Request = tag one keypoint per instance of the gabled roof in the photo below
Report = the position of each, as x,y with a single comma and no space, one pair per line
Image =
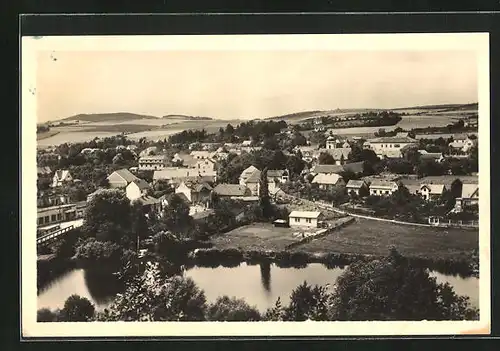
61,174
383,184
141,184
327,169
355,167
153,158
175,172
338,153
248,172
392,140
168,197
275,173
305,214
355,184
125,174
254,177
330,179
436,189
147,200
231,190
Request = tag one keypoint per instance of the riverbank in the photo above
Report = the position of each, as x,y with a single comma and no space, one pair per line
213,257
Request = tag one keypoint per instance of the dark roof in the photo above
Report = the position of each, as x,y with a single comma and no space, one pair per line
327,169
141,183
254,177
148,200
355,167
202,215
126,174
402,140
231,190
168,197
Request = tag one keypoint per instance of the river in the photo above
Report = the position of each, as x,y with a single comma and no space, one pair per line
259,285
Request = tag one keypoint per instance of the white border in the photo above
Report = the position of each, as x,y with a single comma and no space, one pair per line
478,42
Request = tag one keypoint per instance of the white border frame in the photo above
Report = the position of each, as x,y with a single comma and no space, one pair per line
478,42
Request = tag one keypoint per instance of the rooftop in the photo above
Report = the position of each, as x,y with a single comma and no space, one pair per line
305,214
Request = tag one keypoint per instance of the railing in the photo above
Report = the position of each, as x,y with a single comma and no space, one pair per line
53,235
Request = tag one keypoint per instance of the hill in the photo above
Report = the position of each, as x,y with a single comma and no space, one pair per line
188,118
438,107
105,117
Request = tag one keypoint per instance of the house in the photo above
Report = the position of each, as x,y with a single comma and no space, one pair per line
170,173
195,192
201,216
327,169
431,192
232,190
48,199
55,214
136,189
413,185
154,162
149,203
355,167
121,178
388,146
246,143
152,150
462,143
200,155
253,182
328,181
61,177
276,193
309,219
469,196
205,166
185,160
276,177
334,143
356,187
165,199
132,147
382,187
434,156
247,173
340,155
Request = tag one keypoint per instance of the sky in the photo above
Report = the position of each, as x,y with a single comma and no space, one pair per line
248,84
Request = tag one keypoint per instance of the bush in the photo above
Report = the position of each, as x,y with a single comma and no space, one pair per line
77,309
233,310
46,315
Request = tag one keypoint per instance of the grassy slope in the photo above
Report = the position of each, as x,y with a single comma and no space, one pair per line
111,117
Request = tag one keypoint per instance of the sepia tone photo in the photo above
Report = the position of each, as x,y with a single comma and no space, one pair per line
329,181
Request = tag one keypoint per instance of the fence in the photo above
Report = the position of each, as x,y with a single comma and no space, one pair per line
53,235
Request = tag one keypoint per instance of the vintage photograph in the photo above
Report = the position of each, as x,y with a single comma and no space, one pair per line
256,179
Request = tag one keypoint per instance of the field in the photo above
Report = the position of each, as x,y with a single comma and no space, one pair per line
364,237
374,237
256,236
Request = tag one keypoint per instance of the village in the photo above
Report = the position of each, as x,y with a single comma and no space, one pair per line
340,175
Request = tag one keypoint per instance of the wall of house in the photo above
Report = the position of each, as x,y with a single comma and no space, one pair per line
184,189
133,192
380,192
58,214
254,188
382,149
303,222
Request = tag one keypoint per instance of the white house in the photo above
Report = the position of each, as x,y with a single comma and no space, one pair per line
308,219
194,192
383,187
200,155
152,150
469,196
340,154
152,163
170,173
61,177
205,166
120,178
388,146
431,192
434,156
355,186
462,143
328,181
136,189
247,173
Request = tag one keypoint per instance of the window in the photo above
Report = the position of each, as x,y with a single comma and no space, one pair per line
47,219
40,221
297,219
308,220
53,218
387,191
59,217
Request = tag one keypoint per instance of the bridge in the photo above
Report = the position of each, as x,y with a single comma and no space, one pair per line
53,236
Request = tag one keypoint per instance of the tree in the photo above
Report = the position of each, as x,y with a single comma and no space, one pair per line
429,168
326,159
176,215
77,309
264,199
307,302
153,297
392,289
139,224
231,309
107,216
46,315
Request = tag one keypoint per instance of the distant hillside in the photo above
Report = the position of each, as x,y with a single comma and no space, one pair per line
436,107
105,117
189,118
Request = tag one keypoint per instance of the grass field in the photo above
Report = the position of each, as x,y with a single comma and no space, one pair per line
45,135
256,236
374,238
362,237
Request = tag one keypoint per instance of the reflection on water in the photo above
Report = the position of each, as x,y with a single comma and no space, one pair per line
260,285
